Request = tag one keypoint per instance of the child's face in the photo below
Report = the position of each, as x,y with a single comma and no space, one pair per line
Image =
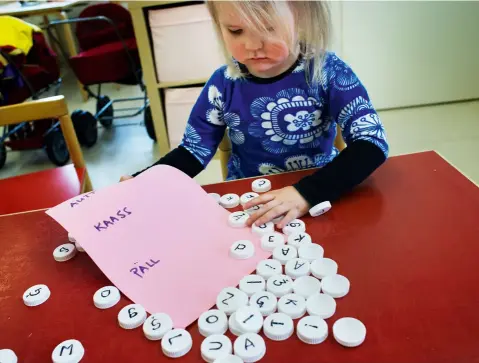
264,56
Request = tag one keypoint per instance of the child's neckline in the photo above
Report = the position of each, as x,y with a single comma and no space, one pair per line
255,79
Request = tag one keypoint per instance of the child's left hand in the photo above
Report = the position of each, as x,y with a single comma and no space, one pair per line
286,201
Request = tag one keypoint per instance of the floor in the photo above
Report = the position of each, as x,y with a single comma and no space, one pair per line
452,130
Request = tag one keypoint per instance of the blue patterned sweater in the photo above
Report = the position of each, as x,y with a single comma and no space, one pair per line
282,124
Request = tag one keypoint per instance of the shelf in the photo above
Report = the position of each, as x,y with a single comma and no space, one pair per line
193,82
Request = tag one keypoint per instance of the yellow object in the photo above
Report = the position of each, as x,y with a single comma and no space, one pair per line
16,33
51,107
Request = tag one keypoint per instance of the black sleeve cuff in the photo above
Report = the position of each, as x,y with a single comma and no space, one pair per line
353,165
181,159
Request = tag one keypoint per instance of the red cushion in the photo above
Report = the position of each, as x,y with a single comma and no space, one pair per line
95,33
40,190
106,63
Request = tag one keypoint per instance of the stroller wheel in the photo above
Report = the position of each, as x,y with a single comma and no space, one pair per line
56,147
85,127
3,155
150,128
100,103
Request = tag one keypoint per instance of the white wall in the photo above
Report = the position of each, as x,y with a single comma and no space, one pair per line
411,52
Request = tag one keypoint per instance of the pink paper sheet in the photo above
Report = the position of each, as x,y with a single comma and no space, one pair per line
165,222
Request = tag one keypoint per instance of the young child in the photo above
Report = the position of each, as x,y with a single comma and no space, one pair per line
281,96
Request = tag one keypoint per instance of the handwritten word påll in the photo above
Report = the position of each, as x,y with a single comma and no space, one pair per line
121,213
140,270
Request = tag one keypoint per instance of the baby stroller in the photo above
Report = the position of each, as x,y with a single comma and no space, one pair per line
108,54
29,75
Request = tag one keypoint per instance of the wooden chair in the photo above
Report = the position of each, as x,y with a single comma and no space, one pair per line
46,188
224,149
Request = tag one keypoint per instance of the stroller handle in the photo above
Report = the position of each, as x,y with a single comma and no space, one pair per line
94,18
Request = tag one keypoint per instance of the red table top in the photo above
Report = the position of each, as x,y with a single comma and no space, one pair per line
407,239
39,190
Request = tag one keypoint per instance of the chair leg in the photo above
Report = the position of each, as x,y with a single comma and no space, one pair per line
224,157
72,141
87,186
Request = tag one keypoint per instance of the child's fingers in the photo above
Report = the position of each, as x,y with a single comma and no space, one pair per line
277,211
292,214
260,212
262,199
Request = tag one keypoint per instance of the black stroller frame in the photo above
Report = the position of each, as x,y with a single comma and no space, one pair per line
84,122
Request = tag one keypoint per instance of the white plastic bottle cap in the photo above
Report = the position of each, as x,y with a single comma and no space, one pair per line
349,332
176,343
215,196
270,241
297,267
323,267
229,200
106,297
320,208
311,252
321,305
241,250
335,285
250,347
71,238
79,247
254,209
295,226
299,239
293,305
8,356
36,295
230,358
265,301
132,316
306,286
279,285
263,229
157,325
268,268
238,219
64,252
69,351
278,326
216,346
312,330
233,325
231,299
212,322
251,284
261,185
249,319
246,197
285,253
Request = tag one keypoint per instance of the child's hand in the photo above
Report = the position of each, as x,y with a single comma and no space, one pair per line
286,201
125,177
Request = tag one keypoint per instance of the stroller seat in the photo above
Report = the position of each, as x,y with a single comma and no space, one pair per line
39,67
106,63
108,53
103,58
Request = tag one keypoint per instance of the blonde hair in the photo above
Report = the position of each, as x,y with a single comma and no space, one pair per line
311,28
